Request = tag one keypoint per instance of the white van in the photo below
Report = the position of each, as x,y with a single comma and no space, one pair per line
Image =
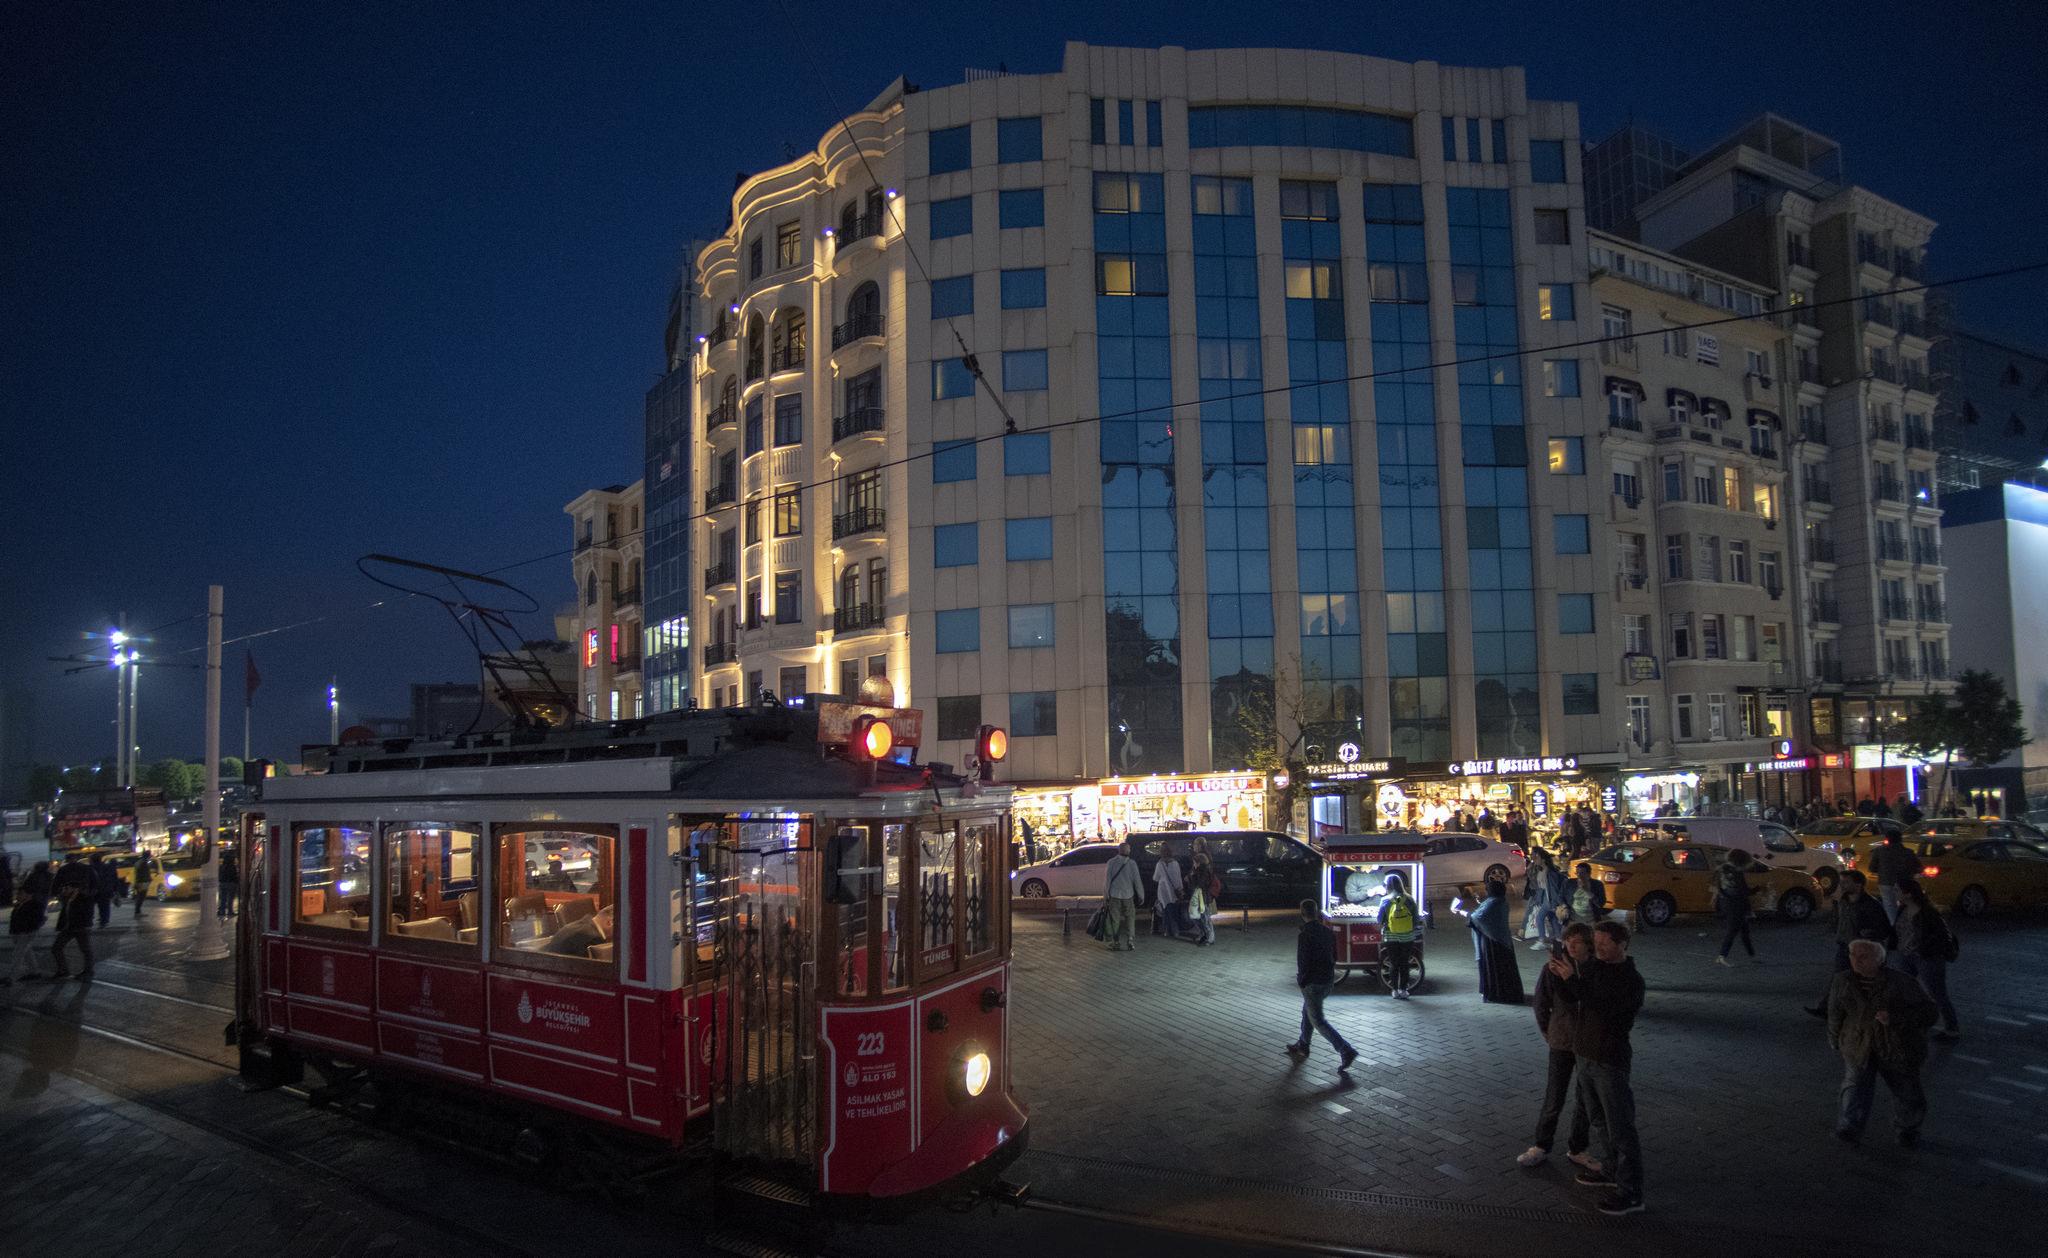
1767,841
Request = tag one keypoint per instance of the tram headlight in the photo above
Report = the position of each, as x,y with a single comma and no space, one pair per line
974,1073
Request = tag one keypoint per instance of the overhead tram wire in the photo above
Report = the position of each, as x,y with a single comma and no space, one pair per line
967,355
1079,421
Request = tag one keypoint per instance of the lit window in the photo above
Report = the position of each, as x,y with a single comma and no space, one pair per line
1568,456
1554,302
553,898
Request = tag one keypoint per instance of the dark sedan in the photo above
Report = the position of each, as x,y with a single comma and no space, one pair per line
1260,868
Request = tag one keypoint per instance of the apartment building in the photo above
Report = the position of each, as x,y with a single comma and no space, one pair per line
608,564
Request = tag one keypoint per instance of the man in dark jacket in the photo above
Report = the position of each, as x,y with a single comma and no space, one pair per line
1877,1021
1558,1023
1604,996
106,884
1315,969
1891,864
74,922
72,873
1857,916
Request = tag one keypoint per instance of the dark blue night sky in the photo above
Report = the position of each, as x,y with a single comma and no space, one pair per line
284,284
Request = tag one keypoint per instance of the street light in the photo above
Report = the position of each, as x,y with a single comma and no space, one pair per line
334,711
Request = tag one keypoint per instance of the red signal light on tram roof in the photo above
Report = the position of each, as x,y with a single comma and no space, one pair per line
873,739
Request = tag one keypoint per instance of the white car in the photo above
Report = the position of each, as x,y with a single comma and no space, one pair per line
1077,871
1451,859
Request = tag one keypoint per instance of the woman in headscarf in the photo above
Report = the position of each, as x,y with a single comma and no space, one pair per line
1500,982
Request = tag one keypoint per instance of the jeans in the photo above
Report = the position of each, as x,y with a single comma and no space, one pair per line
1204,927
1933,975
1606,1092
84,938
140,893
1738,928
1120,921
228,896
1398,956
1312,997
25,949
1888,895
105,904
1859,1088
1557,1084
1170,919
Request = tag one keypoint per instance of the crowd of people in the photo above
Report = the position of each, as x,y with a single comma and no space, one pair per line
86,890
1184,901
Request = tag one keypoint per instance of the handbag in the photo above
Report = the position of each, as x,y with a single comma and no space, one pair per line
1095,928
1198,903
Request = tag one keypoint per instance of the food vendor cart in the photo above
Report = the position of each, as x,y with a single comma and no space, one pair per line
1355,869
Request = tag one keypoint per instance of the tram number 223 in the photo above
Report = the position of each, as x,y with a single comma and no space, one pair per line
870,1044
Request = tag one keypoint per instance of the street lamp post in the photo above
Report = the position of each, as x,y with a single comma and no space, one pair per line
119,637
208,944
333,711
134,748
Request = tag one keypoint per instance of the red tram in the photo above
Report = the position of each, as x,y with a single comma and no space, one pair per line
763,931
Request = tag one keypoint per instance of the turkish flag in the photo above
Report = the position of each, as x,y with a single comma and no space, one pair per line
252,678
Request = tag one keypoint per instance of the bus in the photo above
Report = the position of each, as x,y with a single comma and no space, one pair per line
112,819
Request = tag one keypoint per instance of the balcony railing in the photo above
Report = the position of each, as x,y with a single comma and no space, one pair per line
1928,555
628,597
1934,670
852,229
720,416
859,326
1809,372
1894,609
1893,551
856,421
1916,380
1875,254
1906,264
1618,353
626,664
1815,432
1902,670
720,574
1911,324
583,543
722,332
1933,611
1820,550
1884,429
1827,611
1888,490
1884,369
857,618
1627,423
1630,498
858,520
721,494
1819,491
1918,437
1761,445
1879,312
1828,671
716,653
789,359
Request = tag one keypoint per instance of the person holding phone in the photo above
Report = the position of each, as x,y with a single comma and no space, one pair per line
1557,1022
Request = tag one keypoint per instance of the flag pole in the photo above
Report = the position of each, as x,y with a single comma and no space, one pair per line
208,944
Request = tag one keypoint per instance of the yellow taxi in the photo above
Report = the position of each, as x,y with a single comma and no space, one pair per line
1970,875
1838,834
1979,828
177,877
1661,878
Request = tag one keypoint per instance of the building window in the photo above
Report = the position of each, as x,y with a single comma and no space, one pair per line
953,296
956,546
789,419
1031,625
754,265
1500,140
1573,535
1020,139
951,149
1582,694
1024,371
533,921
953,461
1021,207
1635,633
789,244
1717,716
953,217
789,597
1027,454
1034,712
957,631
1299,126
1712,640
1681,635
1575,613
1546,161
1027,539
789,510
1560,377
793,682
1681,708
753,438
753,519
1554,303
1155,137
959,718
1126,126
1024,289
951,379
1639,719
1553,227
1568,456
1098,121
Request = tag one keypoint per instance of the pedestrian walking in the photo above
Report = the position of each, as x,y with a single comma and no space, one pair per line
1604,995
74,923
1586,898
1122,888
1857,916
230,882
1500,982
145,877
1890,863
1543,888
1877,1020
106,884
1926,946
1557,1022
1732,894
1400,928
6,878
25,919
1169,891
73,873
1515,831
1315,969
1205,891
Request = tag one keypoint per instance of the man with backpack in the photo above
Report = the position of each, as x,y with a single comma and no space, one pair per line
1400,927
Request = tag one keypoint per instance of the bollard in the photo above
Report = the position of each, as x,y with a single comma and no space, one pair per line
1244,919
1066,923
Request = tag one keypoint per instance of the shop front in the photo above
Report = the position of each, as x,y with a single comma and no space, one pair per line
1780,781
1427,796
1087,812
1343,793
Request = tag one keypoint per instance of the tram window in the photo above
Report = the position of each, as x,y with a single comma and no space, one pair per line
937,922
555,898
849,921
333,877
895,940
978,850
432,874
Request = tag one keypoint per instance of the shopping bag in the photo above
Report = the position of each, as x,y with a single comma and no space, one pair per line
1094,928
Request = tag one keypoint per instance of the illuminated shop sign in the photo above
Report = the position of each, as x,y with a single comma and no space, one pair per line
1514,764
590,649
1351,765
1214,784
1789,764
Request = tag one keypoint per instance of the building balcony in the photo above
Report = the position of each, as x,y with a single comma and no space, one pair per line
720,574
722,331
1919,381
724,415
1827,611
1888,490
1626,423
628,597
716,653
1630,498
859,618
1892,552
583,543
859,420
1918,437
790,359
1902,670
1907,265
1885,430
1871,252
859,328
1828,670
851,230
1934,670
1818,491
1880,313
722,494
1927,556
1619,353
1894,609
857,521
1815,432
1934,612
626,664
1911,324
1820,550
1884,369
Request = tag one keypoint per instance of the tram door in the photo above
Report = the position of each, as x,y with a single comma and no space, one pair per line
762,951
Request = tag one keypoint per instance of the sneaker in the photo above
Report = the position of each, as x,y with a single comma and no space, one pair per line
1538,946
1297,1050
1619,1204
1721,961
1350,1055
1534,1155
1584,1160
1593,1177
1401,993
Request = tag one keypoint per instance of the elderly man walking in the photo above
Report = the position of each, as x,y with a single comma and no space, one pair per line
1878,1020
1122,888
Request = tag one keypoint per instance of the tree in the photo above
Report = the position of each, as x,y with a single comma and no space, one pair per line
230,771
44,780
1979,722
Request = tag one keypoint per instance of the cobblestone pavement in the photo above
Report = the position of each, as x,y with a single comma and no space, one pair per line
1157,1081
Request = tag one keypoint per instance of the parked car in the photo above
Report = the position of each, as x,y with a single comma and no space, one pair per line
1076,871
1834,834
1661,878
1768,841
1970,876
178,877
1451,859
1980,828
1260,868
